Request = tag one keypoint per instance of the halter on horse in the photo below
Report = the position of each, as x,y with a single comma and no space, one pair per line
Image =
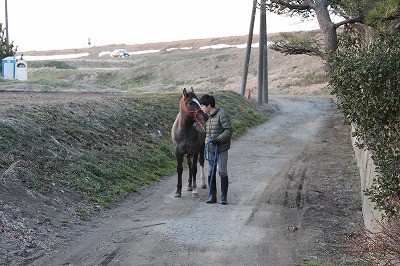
188,141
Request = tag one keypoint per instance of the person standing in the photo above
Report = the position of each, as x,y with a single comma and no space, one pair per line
219,130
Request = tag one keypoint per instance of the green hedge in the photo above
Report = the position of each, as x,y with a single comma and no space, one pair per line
367,83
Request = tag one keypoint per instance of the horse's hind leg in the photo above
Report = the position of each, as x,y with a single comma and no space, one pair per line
202,177
179,170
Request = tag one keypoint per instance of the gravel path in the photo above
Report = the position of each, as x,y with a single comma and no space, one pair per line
263,224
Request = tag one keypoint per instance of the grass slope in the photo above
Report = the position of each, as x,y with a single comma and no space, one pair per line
104,150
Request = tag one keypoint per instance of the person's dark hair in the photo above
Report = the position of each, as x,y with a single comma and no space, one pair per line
207,100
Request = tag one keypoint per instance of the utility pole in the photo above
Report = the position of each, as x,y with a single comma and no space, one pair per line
265,55
7,36
248,50
261,51
262,89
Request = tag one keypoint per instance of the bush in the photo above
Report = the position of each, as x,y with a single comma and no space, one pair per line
366,80
6,49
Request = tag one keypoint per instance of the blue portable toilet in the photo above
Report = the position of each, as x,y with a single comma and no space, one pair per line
8,67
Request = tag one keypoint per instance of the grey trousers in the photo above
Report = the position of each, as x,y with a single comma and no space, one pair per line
222,163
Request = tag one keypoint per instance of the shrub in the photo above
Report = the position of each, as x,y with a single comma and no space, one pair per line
366,80
378,248
6,49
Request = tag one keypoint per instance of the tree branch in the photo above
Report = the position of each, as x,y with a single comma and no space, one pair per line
359,19
289,48
305,6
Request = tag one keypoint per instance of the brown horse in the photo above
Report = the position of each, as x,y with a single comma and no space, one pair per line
188,141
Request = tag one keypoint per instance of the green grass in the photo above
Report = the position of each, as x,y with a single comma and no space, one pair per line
243,113
104,150
352,160
53,78
51,64
84,214
49,85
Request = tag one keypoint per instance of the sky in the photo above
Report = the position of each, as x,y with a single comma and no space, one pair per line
63,24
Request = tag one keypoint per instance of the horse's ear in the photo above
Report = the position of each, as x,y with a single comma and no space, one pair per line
184,92
191,89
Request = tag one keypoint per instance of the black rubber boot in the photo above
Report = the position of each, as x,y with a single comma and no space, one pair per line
224,190
213,196
212,199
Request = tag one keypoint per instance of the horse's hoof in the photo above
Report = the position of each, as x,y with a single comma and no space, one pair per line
178,195
203,186
189,188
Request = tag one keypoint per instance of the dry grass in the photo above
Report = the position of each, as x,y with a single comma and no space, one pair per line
207,70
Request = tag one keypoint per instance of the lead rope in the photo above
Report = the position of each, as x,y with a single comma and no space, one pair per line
213,163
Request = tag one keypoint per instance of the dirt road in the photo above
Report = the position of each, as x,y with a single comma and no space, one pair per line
270,219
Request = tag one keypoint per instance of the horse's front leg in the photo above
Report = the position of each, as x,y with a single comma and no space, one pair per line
189,162
193,170
179,170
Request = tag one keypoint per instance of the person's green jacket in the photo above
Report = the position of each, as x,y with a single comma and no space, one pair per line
219,126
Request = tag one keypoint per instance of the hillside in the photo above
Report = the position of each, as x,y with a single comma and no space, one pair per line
204,69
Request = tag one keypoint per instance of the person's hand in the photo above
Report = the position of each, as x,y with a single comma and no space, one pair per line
215,141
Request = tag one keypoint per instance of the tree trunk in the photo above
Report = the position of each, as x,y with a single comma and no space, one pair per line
328,29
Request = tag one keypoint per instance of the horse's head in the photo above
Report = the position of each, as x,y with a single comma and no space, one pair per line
190,105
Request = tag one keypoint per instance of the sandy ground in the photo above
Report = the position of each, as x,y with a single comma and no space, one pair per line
286,203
